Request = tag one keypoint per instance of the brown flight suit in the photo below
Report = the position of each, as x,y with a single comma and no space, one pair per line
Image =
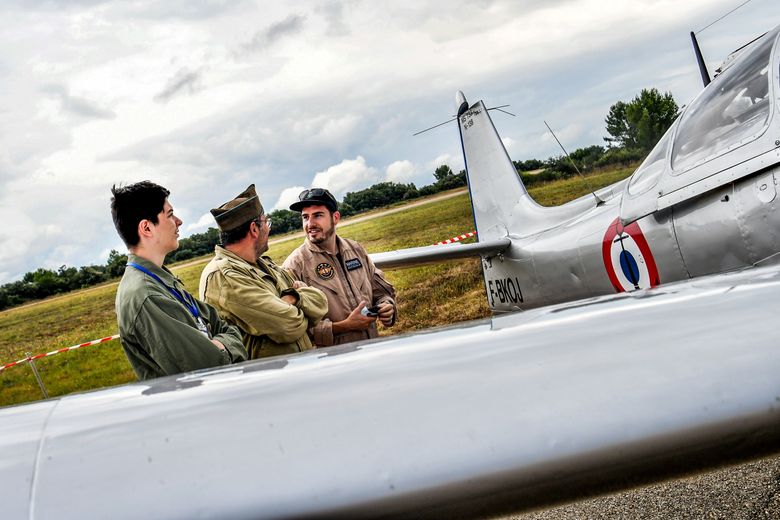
345,282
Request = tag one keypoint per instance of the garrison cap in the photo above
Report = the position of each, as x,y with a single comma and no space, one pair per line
315,197
245,207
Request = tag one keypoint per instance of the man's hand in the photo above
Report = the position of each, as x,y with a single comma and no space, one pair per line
297,284
218,343
386,311
289,298
355,321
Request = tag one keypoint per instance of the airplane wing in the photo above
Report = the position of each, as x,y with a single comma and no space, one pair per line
437,253
482,418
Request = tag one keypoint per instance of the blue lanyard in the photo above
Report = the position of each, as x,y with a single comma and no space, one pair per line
187,300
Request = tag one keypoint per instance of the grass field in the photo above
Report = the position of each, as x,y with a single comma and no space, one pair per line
428,296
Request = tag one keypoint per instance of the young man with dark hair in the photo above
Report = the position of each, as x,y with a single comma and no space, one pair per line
358,293
163,329
273,311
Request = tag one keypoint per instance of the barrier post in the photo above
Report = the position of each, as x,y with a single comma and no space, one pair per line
37,376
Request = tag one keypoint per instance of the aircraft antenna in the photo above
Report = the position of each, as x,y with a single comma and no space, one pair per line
455,117
599,200
705,76
504,111
434,126
724,16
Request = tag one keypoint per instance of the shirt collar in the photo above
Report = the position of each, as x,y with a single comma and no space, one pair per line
227,253
317,249
261,262
163,272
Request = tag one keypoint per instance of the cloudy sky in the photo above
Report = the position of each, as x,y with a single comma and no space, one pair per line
208,96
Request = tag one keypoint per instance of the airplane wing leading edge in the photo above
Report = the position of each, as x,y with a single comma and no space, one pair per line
487,417
431,254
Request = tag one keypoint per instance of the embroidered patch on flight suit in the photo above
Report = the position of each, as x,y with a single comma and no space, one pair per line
325,271
353,263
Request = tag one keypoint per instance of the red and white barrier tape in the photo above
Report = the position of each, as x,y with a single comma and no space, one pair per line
456,239
74,347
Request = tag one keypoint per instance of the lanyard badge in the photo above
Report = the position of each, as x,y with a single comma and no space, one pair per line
202,327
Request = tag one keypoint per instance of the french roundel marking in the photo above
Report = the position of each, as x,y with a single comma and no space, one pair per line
627,257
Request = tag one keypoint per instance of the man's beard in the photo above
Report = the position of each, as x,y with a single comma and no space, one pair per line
260,248
324,235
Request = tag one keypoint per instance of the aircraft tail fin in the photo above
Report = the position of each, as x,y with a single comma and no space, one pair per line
502,206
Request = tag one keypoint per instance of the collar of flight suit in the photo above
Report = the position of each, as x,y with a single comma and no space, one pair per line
342,246
165,275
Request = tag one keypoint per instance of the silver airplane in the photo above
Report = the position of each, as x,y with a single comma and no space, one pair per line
702,202
509,413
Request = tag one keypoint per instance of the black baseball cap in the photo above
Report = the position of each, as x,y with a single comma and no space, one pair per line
315,197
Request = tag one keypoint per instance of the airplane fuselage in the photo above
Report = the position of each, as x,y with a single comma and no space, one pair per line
735,226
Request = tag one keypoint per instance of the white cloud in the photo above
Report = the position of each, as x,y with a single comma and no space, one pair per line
401,171
324,81
567,135
444,158
287,197
203,223
509,144
455,162
348,175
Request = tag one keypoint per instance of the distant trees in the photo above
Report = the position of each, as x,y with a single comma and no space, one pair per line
588,157
379,195
640,123
560,166
634,127
284,221
529,165
115,266
197,244
442,172
43,283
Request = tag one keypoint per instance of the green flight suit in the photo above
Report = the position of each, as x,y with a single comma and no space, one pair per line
249,296
160,335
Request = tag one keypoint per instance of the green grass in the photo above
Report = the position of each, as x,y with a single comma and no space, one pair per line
427,295
559,192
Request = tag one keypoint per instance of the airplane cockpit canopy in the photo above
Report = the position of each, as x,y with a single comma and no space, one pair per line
724,118
646,176
720,137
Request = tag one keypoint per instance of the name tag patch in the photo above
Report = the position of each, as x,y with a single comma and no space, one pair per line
353,263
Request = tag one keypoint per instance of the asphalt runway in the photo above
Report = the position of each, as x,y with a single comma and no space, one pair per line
748,491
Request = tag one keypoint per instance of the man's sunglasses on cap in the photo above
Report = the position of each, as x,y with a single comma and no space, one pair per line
315,196
314,192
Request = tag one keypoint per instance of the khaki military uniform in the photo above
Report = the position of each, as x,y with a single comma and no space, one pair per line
160,335
249,296
346,278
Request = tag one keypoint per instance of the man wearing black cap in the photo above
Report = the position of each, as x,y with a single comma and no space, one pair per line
358,293
273,311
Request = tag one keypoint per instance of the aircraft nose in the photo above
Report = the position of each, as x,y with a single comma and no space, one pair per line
461,105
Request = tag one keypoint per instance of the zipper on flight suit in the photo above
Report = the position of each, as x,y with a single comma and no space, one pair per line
355,301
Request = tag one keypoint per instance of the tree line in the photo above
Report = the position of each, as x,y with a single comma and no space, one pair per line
633,128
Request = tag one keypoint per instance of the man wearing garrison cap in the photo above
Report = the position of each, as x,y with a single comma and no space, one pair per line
273,310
